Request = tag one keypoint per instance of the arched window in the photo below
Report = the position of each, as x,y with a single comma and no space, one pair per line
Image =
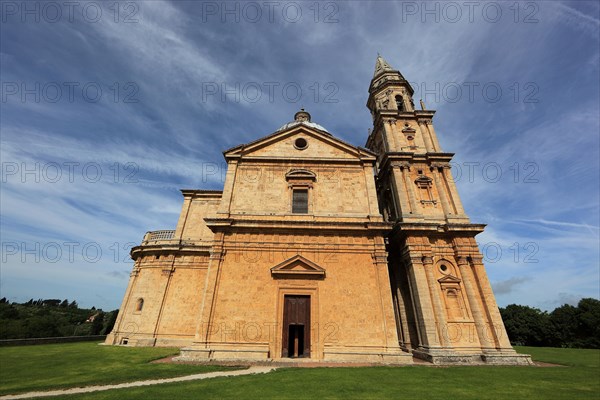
400,103
139,305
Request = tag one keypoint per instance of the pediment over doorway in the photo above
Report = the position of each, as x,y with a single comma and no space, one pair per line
297,266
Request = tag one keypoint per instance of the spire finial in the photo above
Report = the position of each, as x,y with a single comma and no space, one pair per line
381,65
422,104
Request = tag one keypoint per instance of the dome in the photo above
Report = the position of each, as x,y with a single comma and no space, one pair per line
302,118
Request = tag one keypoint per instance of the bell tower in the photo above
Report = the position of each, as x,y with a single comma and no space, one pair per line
409,151
445,309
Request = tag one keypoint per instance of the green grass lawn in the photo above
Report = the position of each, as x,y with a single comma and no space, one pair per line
52,366
578,379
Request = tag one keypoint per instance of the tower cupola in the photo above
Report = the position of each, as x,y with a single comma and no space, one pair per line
389,90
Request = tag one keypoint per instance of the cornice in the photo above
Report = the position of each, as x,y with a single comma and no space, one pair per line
228,224
391,159
424,114
213,194
382,115
432,227
390,82
364,158
179,247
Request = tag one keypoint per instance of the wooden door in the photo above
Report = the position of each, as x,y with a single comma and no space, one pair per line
296,326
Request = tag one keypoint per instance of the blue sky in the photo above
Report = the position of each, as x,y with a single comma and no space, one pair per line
107,111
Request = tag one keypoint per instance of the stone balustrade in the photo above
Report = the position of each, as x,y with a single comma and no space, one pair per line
154,237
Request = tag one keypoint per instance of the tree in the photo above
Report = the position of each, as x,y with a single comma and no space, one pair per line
42,326
8,312
97,324
564,321
588,329
527,326
111,322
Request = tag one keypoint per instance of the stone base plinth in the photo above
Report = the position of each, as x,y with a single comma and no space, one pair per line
447,357
201,353
450,357
145,340
507,359
367,355
110,339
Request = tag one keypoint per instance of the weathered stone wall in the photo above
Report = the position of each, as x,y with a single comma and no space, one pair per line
171,287
348,314
196,206
182,302
339,191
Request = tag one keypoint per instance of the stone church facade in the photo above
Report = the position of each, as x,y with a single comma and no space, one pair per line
320,250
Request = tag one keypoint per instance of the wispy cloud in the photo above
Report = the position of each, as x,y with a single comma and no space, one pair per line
507,286
573,18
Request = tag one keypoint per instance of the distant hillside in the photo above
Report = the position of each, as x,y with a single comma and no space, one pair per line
51,318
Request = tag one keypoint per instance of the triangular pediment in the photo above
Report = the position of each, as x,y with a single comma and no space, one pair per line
449,279
297,266
315,144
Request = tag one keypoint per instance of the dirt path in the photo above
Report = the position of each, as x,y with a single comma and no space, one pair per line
252,370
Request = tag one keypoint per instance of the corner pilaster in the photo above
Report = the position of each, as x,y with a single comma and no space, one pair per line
487,343
428,333
225,207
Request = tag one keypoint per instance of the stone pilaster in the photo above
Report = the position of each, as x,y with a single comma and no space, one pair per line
428,334
167,273
371,192
187,202
385,138
387,310
432,135
210,291
455,198
405,339
499,331
439,185
225,207
429,148
395,144
111,338
434,291
473,295
405,168
399,182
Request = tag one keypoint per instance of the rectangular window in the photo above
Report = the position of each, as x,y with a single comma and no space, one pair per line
300,201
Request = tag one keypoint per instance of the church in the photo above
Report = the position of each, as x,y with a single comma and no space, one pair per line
320,250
